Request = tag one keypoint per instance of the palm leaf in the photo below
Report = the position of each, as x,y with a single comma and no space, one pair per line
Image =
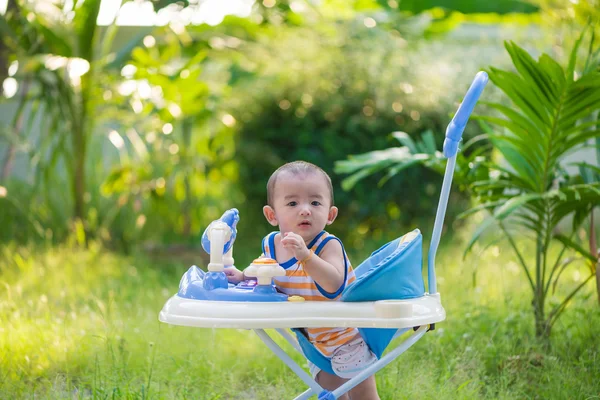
565,240
53,43
370,159
541,83
561,268
481,229
590,173
516,122
427,143
405,139
395,169
553,69
573,56
578,198
518,91
518,161
394,159
85,25
481,207
515,204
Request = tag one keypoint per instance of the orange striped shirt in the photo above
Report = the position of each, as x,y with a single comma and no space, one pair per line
297,282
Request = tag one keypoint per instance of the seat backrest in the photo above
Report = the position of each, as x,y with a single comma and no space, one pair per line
391,272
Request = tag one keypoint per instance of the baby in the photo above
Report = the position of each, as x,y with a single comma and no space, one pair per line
300,202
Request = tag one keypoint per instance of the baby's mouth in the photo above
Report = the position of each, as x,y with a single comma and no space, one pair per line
304,223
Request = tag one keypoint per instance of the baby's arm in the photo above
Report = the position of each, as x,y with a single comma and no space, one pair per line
327,269
235,276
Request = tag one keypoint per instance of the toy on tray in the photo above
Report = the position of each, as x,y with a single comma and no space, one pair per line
217,240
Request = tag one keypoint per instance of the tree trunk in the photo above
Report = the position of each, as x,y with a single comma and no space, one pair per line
542,328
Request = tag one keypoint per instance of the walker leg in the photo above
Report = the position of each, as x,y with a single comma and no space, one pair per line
400,332
306,395
286,335
385,360
315,388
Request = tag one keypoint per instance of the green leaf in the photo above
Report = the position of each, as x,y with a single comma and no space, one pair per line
484,226
573,56
584,107
85,28
576,140
405,139
575,246
6,30
370,159
518,91
532,154
352,180
514,156
393,171
515,204
598,144
554,69
468,6
428,140
55,44
520,122
592,171
579,197
561,268
531,71
118,59
481,207
473,141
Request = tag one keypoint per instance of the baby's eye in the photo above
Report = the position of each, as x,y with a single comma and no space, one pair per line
292,204
316,203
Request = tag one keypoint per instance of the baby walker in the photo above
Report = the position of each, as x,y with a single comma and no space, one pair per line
387,299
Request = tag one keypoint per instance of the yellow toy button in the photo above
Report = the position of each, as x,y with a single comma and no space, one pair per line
295,298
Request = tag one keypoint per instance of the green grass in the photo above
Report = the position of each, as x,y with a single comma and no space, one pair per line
83,324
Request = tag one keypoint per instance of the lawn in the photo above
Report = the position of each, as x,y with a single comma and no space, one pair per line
83,324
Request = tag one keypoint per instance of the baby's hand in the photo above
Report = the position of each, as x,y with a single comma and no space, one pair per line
234,275
296,244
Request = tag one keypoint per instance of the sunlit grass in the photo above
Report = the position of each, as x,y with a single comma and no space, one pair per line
83,324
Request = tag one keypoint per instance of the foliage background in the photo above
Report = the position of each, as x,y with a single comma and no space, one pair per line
279,86
189,120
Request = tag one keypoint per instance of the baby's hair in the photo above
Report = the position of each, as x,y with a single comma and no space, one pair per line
297,168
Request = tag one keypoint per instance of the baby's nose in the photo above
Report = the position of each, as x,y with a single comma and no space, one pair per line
305,210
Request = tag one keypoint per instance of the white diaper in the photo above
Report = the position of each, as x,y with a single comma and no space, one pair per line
349,359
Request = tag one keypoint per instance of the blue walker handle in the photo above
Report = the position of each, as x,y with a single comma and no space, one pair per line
457,125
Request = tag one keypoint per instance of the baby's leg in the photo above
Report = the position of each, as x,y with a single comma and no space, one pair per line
366,390
332,382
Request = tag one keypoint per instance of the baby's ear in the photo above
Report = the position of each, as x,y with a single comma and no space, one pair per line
333,213
270,215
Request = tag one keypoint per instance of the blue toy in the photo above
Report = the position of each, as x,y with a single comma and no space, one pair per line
387,299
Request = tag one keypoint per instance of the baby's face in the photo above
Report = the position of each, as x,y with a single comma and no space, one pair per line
302,204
